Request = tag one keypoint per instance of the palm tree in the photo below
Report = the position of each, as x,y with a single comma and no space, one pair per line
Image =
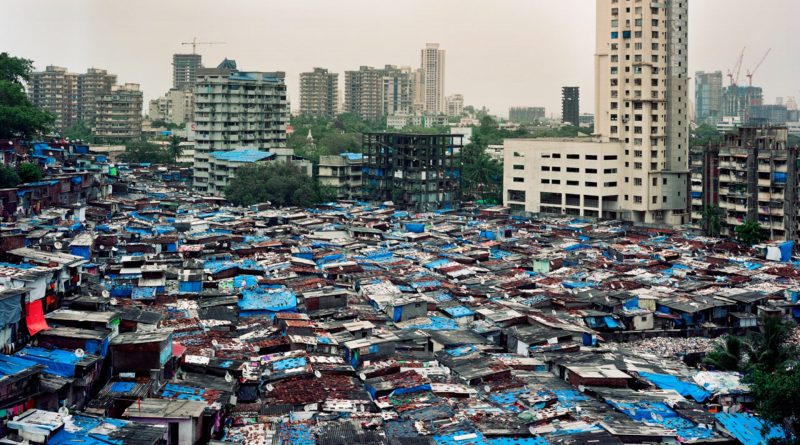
712,220
175,148
726,357
482,174
770,348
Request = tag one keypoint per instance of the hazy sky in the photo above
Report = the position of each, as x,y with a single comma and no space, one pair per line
500,53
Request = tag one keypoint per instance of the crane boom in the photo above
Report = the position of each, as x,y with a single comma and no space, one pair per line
733,73
194,44
750,74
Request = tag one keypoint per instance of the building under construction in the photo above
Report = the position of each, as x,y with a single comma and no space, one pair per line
758,180
704,193
417,171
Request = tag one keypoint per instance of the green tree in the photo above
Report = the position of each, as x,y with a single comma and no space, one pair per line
751,233
777,396
712,220
482,175
727,357
704,135
78,131
770,348
18,117
281,184
145,152
8,177
28,172
175,150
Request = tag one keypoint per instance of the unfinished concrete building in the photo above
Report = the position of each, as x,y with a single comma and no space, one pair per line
758,180
704,192
417,171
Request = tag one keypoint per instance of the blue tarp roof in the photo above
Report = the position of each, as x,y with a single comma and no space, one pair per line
11,365
241,155
665,381
57,361
352,156
749,430
273,300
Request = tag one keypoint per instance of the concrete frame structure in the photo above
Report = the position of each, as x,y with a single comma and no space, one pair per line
418,171
184,70
236,109
526,115
319,93
571,105
704,191
343,173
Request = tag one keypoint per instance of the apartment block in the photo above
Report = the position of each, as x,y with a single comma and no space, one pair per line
236,110
223,166
184,70
91,85
119,114
758,180
416,171
641,135
176,107
570,105
55,90
319,93
432,64
342,173
455,105
372,93
704,192
708,97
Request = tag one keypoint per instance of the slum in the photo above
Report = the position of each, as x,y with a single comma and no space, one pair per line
142,314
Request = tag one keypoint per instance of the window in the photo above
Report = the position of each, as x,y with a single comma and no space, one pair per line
519,179
637,22
545,181
664,199
610,184
637,34
654,34
556,155
665,181
518,155
573,156
519,167
615,23
609,171
573,183
654,46
591,157
614,34
637,165
573,170
626,197
556,169
637,181
637,153
655,199
610,157
638,45
613,128
591,171
590,184
614,58
556,182
637,199
516,195
654,22
545,168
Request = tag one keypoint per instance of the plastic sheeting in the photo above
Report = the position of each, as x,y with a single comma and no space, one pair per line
35,318
10,311
664,381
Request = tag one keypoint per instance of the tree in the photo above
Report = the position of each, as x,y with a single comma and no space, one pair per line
777,397
18,117
29,172
78,131
175,150
145,152
281,184
770,348
482,174
726,357
8,177
712,220
704,135
750,233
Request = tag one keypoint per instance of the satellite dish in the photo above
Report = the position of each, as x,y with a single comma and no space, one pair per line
269,387
487,388
214,343
106,293
228,377
80,353
317,374
362,376
101,247
63,412
113,302
58,245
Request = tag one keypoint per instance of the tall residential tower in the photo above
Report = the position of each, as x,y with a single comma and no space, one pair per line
319,93
184,70
570,105
433,69
708,97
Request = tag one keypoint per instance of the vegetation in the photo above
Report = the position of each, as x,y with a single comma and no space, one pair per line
160,123
769,361
712,220
8,177
704,135
751,233
145,152
330,136
175,150
28,172
79,131
482,175
18,117
281,184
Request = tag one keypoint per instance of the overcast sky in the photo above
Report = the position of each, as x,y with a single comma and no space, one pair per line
500,53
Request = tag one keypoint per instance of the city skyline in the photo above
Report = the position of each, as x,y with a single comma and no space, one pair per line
509,63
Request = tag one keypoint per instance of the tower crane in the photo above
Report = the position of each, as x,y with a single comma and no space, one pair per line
733,76
194,44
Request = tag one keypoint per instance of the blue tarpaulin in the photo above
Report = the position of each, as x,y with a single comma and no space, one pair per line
786,251
749,430
57,361
664,381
